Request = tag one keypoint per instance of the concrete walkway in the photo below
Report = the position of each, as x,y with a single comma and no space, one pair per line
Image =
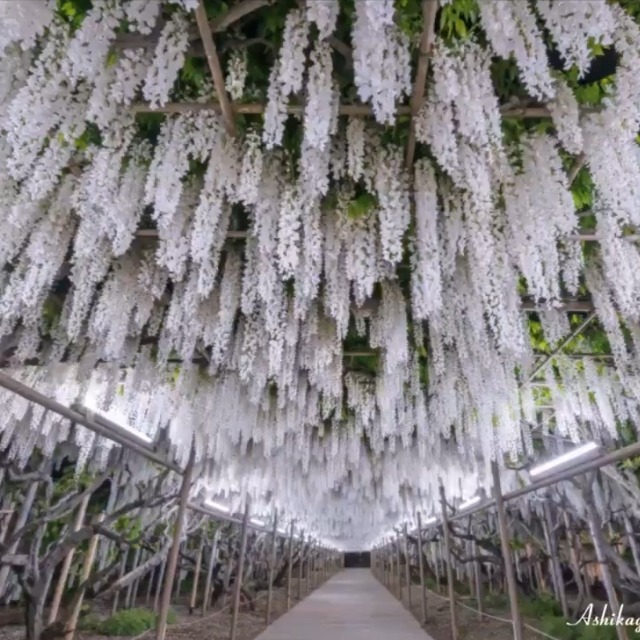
352,605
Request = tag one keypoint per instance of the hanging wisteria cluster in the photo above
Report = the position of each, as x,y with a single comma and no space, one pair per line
212,281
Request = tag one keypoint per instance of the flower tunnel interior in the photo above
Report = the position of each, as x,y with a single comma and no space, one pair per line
295,286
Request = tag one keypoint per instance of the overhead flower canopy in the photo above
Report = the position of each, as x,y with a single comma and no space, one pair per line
350,249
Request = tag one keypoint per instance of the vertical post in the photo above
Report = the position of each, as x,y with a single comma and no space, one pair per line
573,554
122,569
423,588
172,560
556,568
182,550
23,515
206,596
392,574
196,577
437,552
447,550
238,584
631,539
596,534
398,568
129,598
150,581
307,569
159,583
324,566
5,519
407,565
70,627
506,553
478,576
300,568
272,568
68,559
469,569
136,584
289,567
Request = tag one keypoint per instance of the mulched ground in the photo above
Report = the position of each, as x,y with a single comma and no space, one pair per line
215,625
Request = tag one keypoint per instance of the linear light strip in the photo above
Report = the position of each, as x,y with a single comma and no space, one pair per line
578,452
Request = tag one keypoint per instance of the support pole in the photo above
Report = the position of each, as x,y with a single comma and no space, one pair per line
206,596
407,566
552,544
470,571
172,560
423,587
150,581
392,573
437,554
398,568
447,549
121,571
68,559
477,565
631,539
159,583
595,525
506,553
239,572
300,568
196,578
289,567
307,569
70,627
272,568
137,582
129,598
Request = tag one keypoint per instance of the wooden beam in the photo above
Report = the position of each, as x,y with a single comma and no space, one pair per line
423,586
576,332
172,560
215,68
429,11
221,24
575,169
398,568
506,553
407,565
206,596
352,110
289,567
239,234
300,569
72,621
239,571
66,565
237,12
196,577
272,567
447,550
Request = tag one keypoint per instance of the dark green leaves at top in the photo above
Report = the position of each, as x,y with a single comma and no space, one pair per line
458,20
215,8
73,12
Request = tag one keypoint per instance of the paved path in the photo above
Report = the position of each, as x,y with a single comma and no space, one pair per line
352,605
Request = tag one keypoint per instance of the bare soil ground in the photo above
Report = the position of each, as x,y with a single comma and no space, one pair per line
215,625
470,626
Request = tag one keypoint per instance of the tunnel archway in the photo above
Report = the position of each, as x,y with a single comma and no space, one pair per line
357,560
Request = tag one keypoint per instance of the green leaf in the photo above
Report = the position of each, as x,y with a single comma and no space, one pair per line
68,9
361,206
112,59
